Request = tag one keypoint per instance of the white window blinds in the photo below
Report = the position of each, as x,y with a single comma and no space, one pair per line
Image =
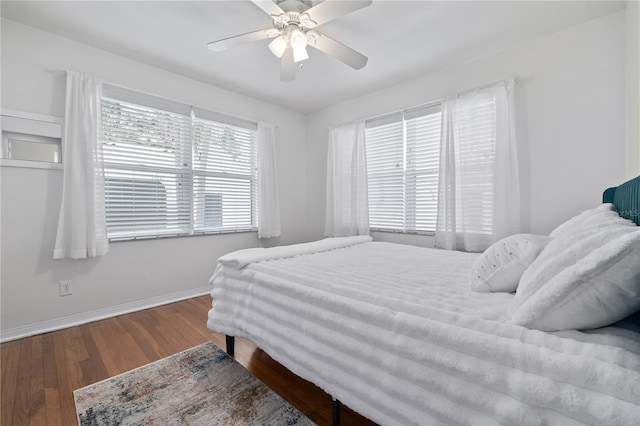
385,174
403,153
147,164
224,176
423,157
170,172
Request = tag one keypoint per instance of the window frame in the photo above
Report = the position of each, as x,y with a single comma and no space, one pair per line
185,172
409,198
30,128
252,177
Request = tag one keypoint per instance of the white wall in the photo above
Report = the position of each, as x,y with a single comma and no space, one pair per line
632,29
32,81
570,101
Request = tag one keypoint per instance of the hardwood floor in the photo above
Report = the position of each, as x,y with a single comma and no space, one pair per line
40,373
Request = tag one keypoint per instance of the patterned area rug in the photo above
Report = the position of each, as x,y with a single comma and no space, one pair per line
200,386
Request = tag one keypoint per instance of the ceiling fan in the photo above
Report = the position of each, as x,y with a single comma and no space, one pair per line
294,23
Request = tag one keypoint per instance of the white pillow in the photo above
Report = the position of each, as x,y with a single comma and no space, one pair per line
500,267
581,283
560,253
578,220
604,218
569,247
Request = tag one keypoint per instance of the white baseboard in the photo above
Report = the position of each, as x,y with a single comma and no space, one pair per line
99,314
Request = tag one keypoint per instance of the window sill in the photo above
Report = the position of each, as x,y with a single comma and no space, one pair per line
393,231
195,234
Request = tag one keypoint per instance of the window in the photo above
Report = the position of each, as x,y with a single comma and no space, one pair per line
403,164
224,176
175,170
403,153
30,140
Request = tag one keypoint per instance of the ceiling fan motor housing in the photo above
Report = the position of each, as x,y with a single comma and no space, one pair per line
286,23
303,21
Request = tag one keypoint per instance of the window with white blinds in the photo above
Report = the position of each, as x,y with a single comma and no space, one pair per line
224,176
170,172
386,174
403,153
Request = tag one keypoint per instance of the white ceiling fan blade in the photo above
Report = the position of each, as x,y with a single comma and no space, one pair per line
225,43
268,7
339,51
288,67
329,10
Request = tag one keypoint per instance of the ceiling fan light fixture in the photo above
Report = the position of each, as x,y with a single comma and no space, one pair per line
300,54
278,46
298,39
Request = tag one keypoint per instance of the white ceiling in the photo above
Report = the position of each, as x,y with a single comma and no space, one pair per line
403,39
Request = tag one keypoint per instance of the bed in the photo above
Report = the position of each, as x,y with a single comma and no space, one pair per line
394,332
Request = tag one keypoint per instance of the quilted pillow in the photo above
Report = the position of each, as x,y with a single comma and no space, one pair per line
500,267
581,281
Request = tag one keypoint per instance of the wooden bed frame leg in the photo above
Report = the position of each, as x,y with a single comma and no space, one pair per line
336,412
231,340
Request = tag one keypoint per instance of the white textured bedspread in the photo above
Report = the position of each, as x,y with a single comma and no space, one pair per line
394,333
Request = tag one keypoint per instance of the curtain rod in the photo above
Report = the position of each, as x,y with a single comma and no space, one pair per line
65,70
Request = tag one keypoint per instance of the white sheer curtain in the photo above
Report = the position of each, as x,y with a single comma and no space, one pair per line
479,195
347,200
82,229
268,199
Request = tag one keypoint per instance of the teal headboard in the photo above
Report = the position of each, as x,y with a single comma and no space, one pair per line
625,199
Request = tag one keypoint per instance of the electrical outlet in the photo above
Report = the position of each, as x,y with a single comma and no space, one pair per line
66,288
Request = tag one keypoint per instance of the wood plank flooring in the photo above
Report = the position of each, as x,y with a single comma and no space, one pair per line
40,373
